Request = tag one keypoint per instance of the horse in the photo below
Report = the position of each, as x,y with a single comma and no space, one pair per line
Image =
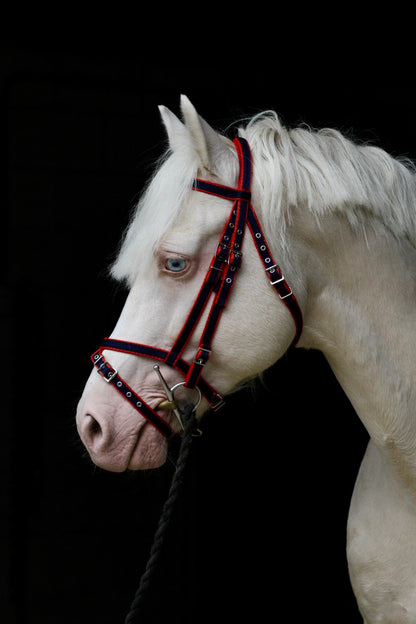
329,264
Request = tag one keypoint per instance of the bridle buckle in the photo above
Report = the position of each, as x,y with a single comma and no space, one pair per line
275,268
111,372
111,376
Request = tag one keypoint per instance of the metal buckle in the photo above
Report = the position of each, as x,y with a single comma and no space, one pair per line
111,376
281,279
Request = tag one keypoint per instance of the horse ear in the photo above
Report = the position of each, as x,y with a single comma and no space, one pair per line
208,144
176,131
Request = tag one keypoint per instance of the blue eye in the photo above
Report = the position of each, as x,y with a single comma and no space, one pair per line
176,265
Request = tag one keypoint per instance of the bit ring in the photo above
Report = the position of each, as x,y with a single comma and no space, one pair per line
182,383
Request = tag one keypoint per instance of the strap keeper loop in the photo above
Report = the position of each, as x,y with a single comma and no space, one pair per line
235,258
202,358
222,252
287,295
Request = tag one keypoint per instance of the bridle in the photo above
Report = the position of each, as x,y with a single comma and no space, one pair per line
219,281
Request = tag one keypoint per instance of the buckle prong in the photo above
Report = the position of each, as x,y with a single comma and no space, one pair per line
111,376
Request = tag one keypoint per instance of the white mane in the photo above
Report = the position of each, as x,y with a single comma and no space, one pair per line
321,171
325,171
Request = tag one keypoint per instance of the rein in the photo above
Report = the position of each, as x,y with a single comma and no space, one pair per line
218,281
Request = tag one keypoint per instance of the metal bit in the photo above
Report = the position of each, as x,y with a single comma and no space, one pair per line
169,394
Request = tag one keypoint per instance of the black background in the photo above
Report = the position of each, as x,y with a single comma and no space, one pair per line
260,530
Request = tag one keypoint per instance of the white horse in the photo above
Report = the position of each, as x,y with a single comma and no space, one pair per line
340,220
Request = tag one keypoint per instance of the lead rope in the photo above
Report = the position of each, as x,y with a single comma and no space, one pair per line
188,416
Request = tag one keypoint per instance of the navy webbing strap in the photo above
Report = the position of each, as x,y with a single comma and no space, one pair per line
277,279
226,192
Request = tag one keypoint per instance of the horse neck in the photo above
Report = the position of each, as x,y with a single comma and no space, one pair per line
361,314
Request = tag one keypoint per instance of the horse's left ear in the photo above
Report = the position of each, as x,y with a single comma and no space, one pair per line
208,144
176,131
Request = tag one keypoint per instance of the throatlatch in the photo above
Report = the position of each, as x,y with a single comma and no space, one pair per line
218,282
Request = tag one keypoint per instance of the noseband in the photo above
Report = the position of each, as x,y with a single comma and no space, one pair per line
218,281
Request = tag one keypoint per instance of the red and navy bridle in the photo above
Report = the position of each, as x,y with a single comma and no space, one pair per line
218,281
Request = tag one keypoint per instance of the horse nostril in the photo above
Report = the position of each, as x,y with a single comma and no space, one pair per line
93,429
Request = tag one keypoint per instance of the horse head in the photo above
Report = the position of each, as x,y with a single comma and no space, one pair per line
176,241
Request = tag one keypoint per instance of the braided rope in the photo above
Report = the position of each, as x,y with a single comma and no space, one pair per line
159,538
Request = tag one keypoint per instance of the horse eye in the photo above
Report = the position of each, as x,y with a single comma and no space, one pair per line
176,265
